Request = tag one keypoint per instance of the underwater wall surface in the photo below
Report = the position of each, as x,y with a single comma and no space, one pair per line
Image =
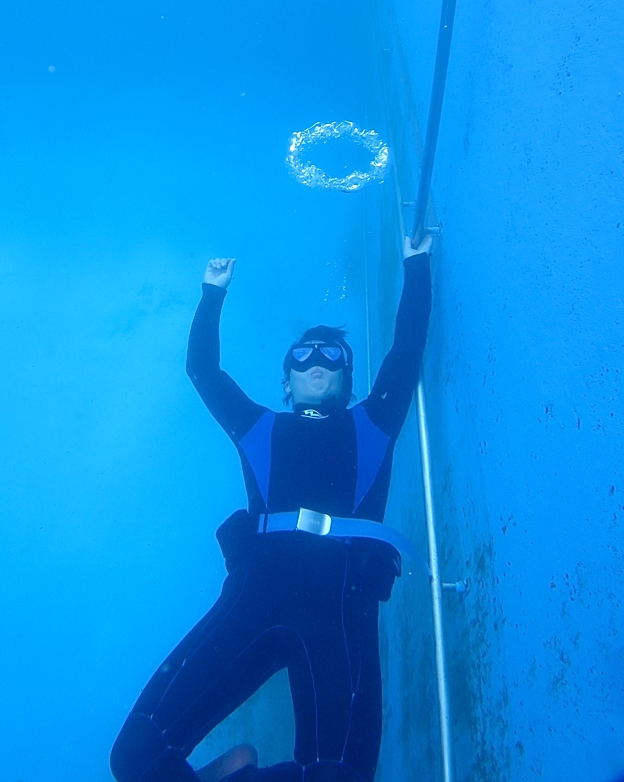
523,375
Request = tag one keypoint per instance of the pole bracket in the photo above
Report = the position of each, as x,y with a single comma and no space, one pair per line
459,587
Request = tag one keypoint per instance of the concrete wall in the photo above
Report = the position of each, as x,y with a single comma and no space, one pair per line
523,377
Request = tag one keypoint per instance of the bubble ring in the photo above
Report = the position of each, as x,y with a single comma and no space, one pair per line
312,176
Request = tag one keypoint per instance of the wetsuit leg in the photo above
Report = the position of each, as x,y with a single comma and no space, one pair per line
338,698
225,658
334,671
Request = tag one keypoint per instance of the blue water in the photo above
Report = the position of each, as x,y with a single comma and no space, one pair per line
140,139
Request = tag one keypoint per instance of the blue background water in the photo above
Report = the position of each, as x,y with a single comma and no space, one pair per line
158,142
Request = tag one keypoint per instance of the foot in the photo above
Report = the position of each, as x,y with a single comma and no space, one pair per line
228,763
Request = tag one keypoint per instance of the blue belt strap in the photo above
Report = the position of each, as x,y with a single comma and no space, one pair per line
338,527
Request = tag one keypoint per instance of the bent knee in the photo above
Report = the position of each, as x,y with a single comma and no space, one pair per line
141,754
138,746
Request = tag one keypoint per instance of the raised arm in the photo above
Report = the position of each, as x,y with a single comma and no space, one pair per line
231,407
390,397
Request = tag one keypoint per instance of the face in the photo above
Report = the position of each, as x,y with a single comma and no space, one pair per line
315,385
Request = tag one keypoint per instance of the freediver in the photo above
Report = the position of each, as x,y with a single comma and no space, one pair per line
293,598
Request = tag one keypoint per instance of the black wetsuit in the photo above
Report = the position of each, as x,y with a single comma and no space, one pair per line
291,599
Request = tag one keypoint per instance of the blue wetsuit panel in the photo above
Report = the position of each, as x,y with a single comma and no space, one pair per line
256,445
372,446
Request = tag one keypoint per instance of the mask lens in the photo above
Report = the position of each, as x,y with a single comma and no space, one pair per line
300,354
332,353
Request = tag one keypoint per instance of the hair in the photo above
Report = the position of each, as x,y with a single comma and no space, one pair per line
325,334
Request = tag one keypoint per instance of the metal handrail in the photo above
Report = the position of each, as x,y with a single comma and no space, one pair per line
445,35
436,591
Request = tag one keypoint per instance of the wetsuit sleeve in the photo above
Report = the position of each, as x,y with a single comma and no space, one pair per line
392,392
230,406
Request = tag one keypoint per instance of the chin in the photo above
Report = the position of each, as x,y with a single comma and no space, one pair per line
319,396
319,389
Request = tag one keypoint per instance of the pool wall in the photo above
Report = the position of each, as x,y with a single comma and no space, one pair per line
522,380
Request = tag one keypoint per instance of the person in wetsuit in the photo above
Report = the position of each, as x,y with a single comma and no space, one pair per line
292,598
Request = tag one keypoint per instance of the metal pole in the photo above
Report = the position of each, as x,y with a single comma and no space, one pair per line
436,590
433,125
440,71
436,580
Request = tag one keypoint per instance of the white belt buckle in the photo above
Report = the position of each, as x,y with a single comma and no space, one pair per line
313,521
